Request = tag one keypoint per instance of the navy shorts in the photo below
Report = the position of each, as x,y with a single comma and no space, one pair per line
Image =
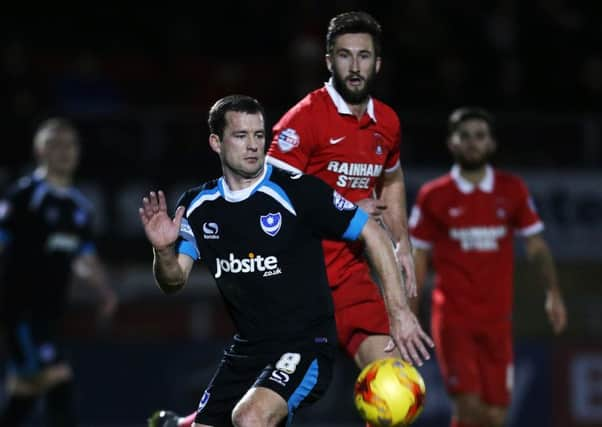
31,348
299,371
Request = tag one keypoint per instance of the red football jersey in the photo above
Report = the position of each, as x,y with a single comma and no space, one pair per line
470,231
320,136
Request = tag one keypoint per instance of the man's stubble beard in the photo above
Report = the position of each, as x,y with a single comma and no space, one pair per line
351,97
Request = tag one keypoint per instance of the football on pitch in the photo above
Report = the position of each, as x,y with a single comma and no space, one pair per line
389,392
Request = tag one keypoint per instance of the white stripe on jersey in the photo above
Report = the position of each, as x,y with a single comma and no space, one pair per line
272,193
531,230
282,165
202,199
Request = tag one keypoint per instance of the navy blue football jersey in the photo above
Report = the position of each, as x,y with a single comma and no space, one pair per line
263,246
42,228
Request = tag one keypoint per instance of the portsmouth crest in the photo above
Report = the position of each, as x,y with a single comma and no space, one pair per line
271,223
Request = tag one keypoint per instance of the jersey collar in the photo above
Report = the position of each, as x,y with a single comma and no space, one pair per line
240,195
342,106
466,187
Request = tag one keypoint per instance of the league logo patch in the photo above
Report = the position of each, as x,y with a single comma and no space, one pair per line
341,203
288,139
271,223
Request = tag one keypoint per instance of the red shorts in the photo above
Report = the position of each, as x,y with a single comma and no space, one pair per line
476,359
359,311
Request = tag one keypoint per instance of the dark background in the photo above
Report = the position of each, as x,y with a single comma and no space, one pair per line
138,80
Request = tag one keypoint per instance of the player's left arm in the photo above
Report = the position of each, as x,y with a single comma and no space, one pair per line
406,332
88,268
539,254
393,194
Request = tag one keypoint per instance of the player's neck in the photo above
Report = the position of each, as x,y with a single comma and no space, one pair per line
358,110
238,182
474,176
53,178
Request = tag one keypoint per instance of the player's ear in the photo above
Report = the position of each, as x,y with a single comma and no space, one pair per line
215,143
328,62
378,64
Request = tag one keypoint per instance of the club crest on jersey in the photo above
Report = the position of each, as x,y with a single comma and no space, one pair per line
288,139
271,223
378,144
340,202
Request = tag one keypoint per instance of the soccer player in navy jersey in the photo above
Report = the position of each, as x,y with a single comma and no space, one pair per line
46,239
259,229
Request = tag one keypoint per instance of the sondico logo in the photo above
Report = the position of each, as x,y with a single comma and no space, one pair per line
268,265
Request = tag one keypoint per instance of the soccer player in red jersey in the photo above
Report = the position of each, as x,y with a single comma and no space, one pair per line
349,139
467,219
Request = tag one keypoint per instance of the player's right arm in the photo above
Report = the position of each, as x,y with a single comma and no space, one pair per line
170,270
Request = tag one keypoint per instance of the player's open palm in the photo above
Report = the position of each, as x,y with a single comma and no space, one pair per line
409,337
161,230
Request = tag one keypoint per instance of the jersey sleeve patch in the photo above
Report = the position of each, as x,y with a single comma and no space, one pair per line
187,243
356,225
288,139
341,203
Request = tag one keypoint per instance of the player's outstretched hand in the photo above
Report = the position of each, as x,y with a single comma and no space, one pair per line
407,335
556,310
160,229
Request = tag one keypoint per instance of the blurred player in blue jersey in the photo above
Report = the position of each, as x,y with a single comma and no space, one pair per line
45,240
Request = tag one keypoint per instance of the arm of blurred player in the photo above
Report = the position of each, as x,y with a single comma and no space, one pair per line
539,254
421,264
393,195
171,271
90,269
406,332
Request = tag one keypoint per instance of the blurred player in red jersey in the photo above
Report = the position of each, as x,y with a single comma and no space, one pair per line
350,140
467,219
344,136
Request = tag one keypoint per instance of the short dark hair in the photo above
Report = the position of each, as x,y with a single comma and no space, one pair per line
462,114
53,123
353,23
239,103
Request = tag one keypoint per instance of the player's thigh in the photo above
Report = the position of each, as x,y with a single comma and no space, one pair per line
360,312
231,380
300,376
373,348
457,354
260,406
496,365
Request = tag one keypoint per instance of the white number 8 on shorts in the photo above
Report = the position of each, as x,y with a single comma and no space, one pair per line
288,362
